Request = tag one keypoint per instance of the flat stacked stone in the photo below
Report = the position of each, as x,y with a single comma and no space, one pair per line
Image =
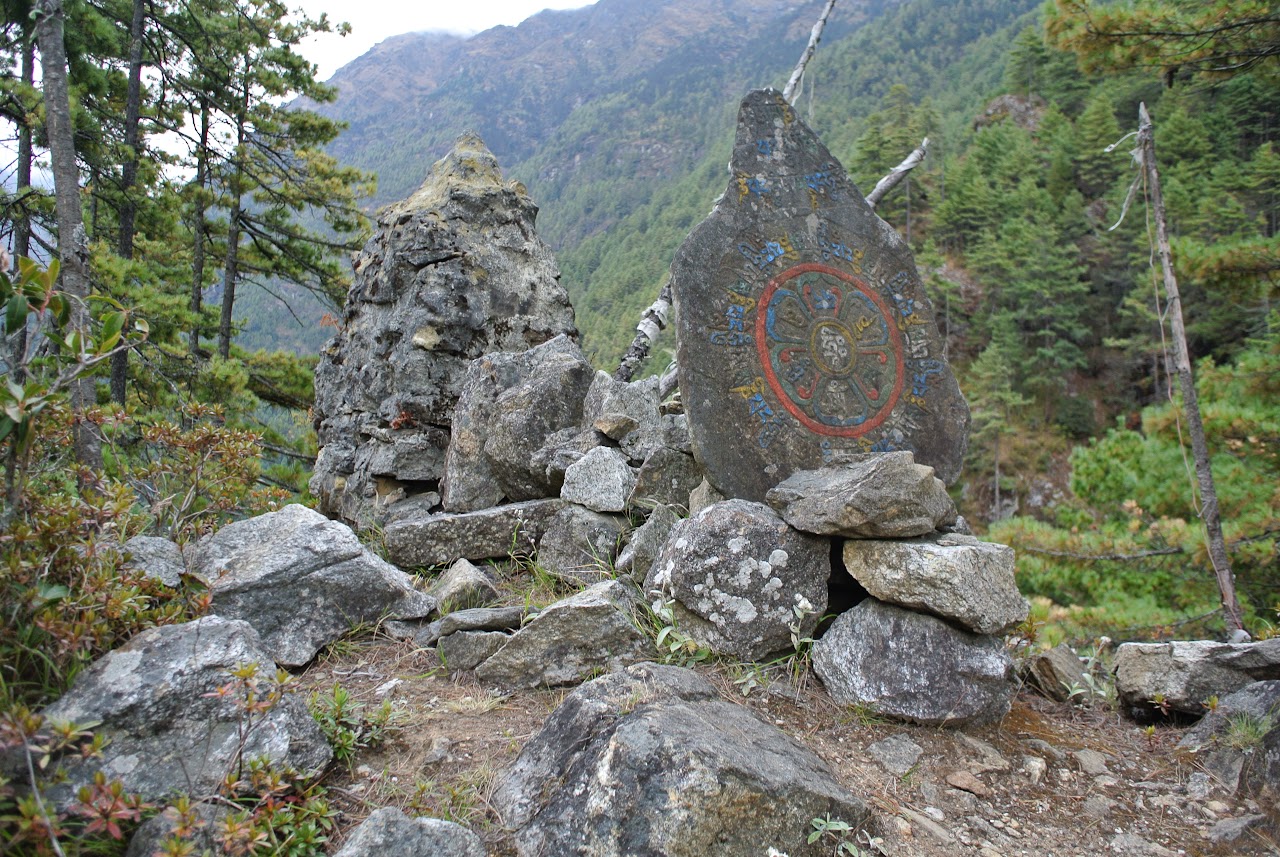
804,334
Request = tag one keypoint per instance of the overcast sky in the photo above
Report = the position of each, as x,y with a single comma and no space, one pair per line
375,20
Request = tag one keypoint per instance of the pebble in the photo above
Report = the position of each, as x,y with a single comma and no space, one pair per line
1035,768
966,781
935,813
1218,807
1199,785
1091,762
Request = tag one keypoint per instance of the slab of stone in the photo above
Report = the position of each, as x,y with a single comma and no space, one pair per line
804,335
651,761
167,729
897,754
703,496
1056,673
736,574
435,539
913,667
466,650
601,480
484,619
302,581
463,586
157,558
879,496
568,641
618,408
452,273
511,404
580,545
389,831
1186,673
952,576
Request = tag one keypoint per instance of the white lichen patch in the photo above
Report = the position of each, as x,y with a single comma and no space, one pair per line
738,544
122,671
778,559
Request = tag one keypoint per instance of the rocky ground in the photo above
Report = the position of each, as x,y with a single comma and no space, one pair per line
1050,779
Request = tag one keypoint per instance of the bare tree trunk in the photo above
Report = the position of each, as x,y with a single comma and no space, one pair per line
1182,365
73,244
200,226
651,324
230,273
814,37
898,173
129,176
22,182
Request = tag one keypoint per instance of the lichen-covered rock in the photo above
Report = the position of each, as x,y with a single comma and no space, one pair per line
877,496
737,573
952,576
302,581
511,404
913,667
463,586
155,700
157,558
568,641
466,650
651,761
666,478
646,543
601,480
452,273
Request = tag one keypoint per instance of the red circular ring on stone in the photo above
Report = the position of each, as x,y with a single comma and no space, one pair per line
830,350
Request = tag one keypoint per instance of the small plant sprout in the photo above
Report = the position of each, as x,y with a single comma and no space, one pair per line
1246,731
836,833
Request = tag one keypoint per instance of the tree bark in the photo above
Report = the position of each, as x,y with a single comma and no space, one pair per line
1186,381
73,244
129,176
230,273
653,322
22,185
898,173
199,227
815,36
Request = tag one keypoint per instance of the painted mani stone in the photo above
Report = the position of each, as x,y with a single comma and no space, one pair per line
804,337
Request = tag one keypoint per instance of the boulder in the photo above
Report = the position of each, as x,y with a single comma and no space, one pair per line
622,408
804,336
157,558
886,496
666,478
601,480
1183,674
201,824
737,574
452,273
651,761
167,727
466,650
952,576
389,831
562,449
511,403
580,545
570,640
434,539
913,667
463,586
302,581
646,543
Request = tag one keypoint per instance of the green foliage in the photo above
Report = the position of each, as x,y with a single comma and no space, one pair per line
347,724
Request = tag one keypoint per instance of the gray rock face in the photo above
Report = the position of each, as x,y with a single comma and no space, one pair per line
897,754
601,480
157,558
885,496
580,545
511,404
389,831
1185,673
463,586
148,840
302,580
651,761
804,335
427,539
666,478
736,572
591,630
952,576
452,273
166,730
646,543
620,408
703,496
466,650
1238,742
913,667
